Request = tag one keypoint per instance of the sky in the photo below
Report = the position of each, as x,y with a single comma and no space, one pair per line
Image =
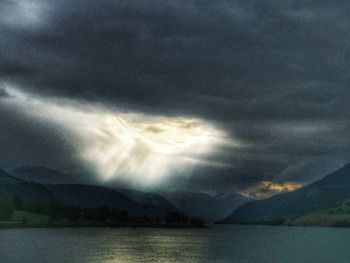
214,96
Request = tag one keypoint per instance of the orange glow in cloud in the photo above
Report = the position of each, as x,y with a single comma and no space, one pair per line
266,189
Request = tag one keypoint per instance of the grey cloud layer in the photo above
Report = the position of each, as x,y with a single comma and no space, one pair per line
274,74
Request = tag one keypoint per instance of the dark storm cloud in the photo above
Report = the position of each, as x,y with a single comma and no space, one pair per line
24,141
3,93
272,73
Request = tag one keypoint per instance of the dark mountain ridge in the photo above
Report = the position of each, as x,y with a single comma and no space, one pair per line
210,208
146,198
323,194
91,196
11,186
44,175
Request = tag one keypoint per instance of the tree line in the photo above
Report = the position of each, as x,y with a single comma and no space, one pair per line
103,214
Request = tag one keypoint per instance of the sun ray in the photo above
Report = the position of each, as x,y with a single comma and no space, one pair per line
133,147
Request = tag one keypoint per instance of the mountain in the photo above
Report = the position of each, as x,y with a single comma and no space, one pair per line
210,208
48,176
231,201
283,208
207,207
145,198
44,175
11,186
89,196
338,216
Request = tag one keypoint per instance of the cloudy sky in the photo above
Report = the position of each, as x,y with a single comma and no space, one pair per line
201,95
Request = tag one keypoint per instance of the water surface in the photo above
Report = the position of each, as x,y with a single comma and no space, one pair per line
248,244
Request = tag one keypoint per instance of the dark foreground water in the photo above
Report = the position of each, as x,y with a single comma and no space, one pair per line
251,244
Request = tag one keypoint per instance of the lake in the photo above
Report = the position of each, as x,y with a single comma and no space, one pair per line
223,243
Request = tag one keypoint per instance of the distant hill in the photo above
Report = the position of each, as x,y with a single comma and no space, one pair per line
150,199
210,208
326,193
338,216
88,196
229,202
207,207
48,176
44,175
11,186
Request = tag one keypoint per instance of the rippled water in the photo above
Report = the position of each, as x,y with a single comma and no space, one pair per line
218,244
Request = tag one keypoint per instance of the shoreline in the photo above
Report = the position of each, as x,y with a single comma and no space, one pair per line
285,225
19,225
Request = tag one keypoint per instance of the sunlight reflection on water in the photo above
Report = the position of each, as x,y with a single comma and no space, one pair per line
217,244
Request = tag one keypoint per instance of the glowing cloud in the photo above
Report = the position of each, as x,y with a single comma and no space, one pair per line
24,13
136,148
266,189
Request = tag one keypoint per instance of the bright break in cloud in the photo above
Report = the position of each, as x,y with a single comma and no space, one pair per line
135,148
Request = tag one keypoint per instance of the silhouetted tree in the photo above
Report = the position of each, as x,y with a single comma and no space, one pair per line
6,208
120,216
99,214
55,211
174,217
71,212
36,207
18,202
196,221
58,212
